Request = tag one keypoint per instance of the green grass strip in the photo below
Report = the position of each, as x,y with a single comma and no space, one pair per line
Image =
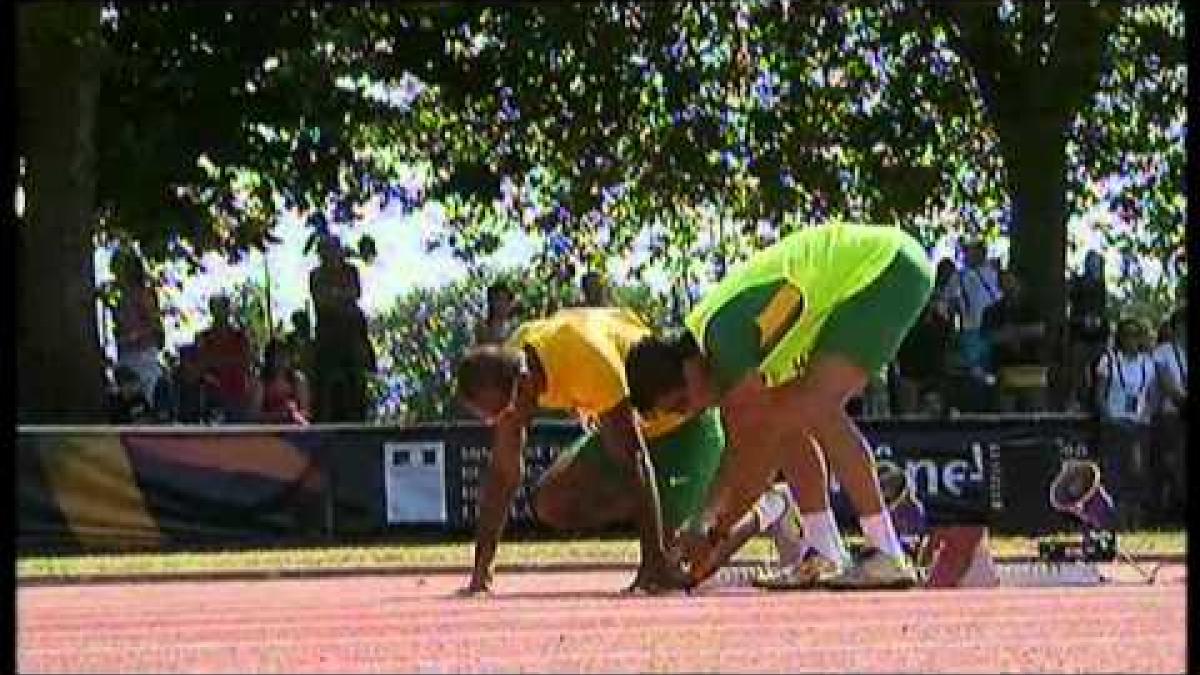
434,554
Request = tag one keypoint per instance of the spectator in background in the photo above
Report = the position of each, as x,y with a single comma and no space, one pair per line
876,400
1088,331
1016,333
595,290
193,402
334,283
280,394
941,297
346,390
127,402
165,401
225,358
563,277
343,353
300,343
975,288
1168,471
1125,380
139,326
501,317
921,363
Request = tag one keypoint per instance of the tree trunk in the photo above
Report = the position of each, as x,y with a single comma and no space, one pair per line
59,363
1031,102
1037,168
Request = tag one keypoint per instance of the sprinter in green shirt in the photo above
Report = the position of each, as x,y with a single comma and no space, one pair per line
782,344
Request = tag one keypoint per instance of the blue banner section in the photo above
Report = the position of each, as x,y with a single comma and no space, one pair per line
112,489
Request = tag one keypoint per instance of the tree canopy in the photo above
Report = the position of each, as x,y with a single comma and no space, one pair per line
589,123
699,130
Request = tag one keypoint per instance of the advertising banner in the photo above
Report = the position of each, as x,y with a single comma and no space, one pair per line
146,488
982,470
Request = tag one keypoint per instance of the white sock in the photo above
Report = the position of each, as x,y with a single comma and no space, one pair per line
770,508
881,534
821,532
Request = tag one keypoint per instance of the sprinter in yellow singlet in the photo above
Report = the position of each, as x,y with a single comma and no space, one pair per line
654,469
781,344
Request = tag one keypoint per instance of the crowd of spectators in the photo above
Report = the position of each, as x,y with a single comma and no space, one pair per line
298,377
981,346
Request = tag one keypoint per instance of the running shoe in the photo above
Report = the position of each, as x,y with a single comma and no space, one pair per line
875,570
811,572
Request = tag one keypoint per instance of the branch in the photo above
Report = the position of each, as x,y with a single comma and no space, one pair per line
1076,56
976,34
1033,29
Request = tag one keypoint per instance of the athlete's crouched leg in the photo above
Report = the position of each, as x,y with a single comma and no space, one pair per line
581,492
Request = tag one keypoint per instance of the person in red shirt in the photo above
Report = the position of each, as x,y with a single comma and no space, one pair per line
280,394
226,361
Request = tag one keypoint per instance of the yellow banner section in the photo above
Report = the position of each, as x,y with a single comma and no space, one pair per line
98,493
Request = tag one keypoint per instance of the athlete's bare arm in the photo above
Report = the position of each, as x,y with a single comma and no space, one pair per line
505,472
621,437
748,464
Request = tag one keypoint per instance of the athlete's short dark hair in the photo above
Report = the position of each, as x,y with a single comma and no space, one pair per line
654,366
487,366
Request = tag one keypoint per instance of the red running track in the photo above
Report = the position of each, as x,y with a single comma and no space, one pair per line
575,621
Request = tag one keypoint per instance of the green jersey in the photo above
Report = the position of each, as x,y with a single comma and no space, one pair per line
786,292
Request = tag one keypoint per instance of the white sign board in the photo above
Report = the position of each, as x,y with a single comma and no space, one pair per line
414,476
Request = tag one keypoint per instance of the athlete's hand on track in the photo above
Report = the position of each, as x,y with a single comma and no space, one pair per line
662,576
694,544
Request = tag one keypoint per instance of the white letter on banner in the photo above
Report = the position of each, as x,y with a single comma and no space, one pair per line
883,464
931,474
953,476
977,457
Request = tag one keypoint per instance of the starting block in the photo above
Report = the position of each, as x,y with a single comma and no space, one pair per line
961,557
958,557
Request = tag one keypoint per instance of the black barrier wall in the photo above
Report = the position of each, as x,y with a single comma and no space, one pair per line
104,488
968,470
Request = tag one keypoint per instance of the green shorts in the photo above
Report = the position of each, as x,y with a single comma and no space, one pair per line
685,463
868,327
